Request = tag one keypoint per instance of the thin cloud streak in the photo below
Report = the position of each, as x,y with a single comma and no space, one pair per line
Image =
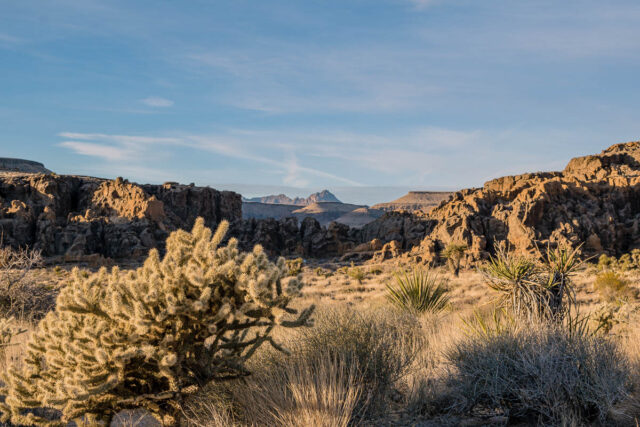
157,102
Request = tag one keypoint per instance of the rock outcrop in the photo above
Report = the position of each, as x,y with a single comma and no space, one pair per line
595,201
74,216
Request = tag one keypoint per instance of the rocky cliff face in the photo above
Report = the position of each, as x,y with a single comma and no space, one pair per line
71,215
595,201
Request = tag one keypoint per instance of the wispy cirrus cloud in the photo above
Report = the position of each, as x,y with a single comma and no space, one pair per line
414,157
130,149
422,4
157,102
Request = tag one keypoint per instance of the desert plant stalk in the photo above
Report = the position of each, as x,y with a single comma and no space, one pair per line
150,337
561,264
418,292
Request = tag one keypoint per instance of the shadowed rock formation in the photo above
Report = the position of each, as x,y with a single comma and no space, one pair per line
595,200
74,216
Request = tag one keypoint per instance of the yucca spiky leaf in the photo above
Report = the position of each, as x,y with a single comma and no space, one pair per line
418,292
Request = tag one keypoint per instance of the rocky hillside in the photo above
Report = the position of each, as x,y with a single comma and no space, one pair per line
595,200
415,201
76,216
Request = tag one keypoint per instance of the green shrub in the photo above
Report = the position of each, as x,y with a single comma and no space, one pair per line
321,272
153,336
611,286
356,273
375,271
295,266
418,292
606,262
539,374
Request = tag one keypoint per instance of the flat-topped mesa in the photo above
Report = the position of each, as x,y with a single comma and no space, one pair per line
595,201
8,164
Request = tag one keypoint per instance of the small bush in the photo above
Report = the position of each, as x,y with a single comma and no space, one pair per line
611,286
20,295
295,266
418,292
376,271
356,273
539,374
321,272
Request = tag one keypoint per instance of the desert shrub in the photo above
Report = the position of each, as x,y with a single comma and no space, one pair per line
606,262
375,271
611,286
418,292
453,253
153,336
321,272
356,273
20,295
295,266
539,374
628,261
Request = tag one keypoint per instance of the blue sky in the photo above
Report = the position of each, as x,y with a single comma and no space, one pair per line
314,94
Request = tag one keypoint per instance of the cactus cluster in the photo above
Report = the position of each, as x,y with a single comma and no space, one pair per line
150,337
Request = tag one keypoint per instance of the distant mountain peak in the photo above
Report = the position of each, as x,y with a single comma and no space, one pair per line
322,196
282,199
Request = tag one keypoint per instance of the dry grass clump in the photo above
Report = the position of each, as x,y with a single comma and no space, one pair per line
418,292
341,371
541,374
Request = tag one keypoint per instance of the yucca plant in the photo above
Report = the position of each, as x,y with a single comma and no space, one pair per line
531,289
561,263
515,279
454,253
418,292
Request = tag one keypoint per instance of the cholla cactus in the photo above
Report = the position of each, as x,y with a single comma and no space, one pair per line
151,337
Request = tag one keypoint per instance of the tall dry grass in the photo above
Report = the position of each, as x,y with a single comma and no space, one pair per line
343,370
